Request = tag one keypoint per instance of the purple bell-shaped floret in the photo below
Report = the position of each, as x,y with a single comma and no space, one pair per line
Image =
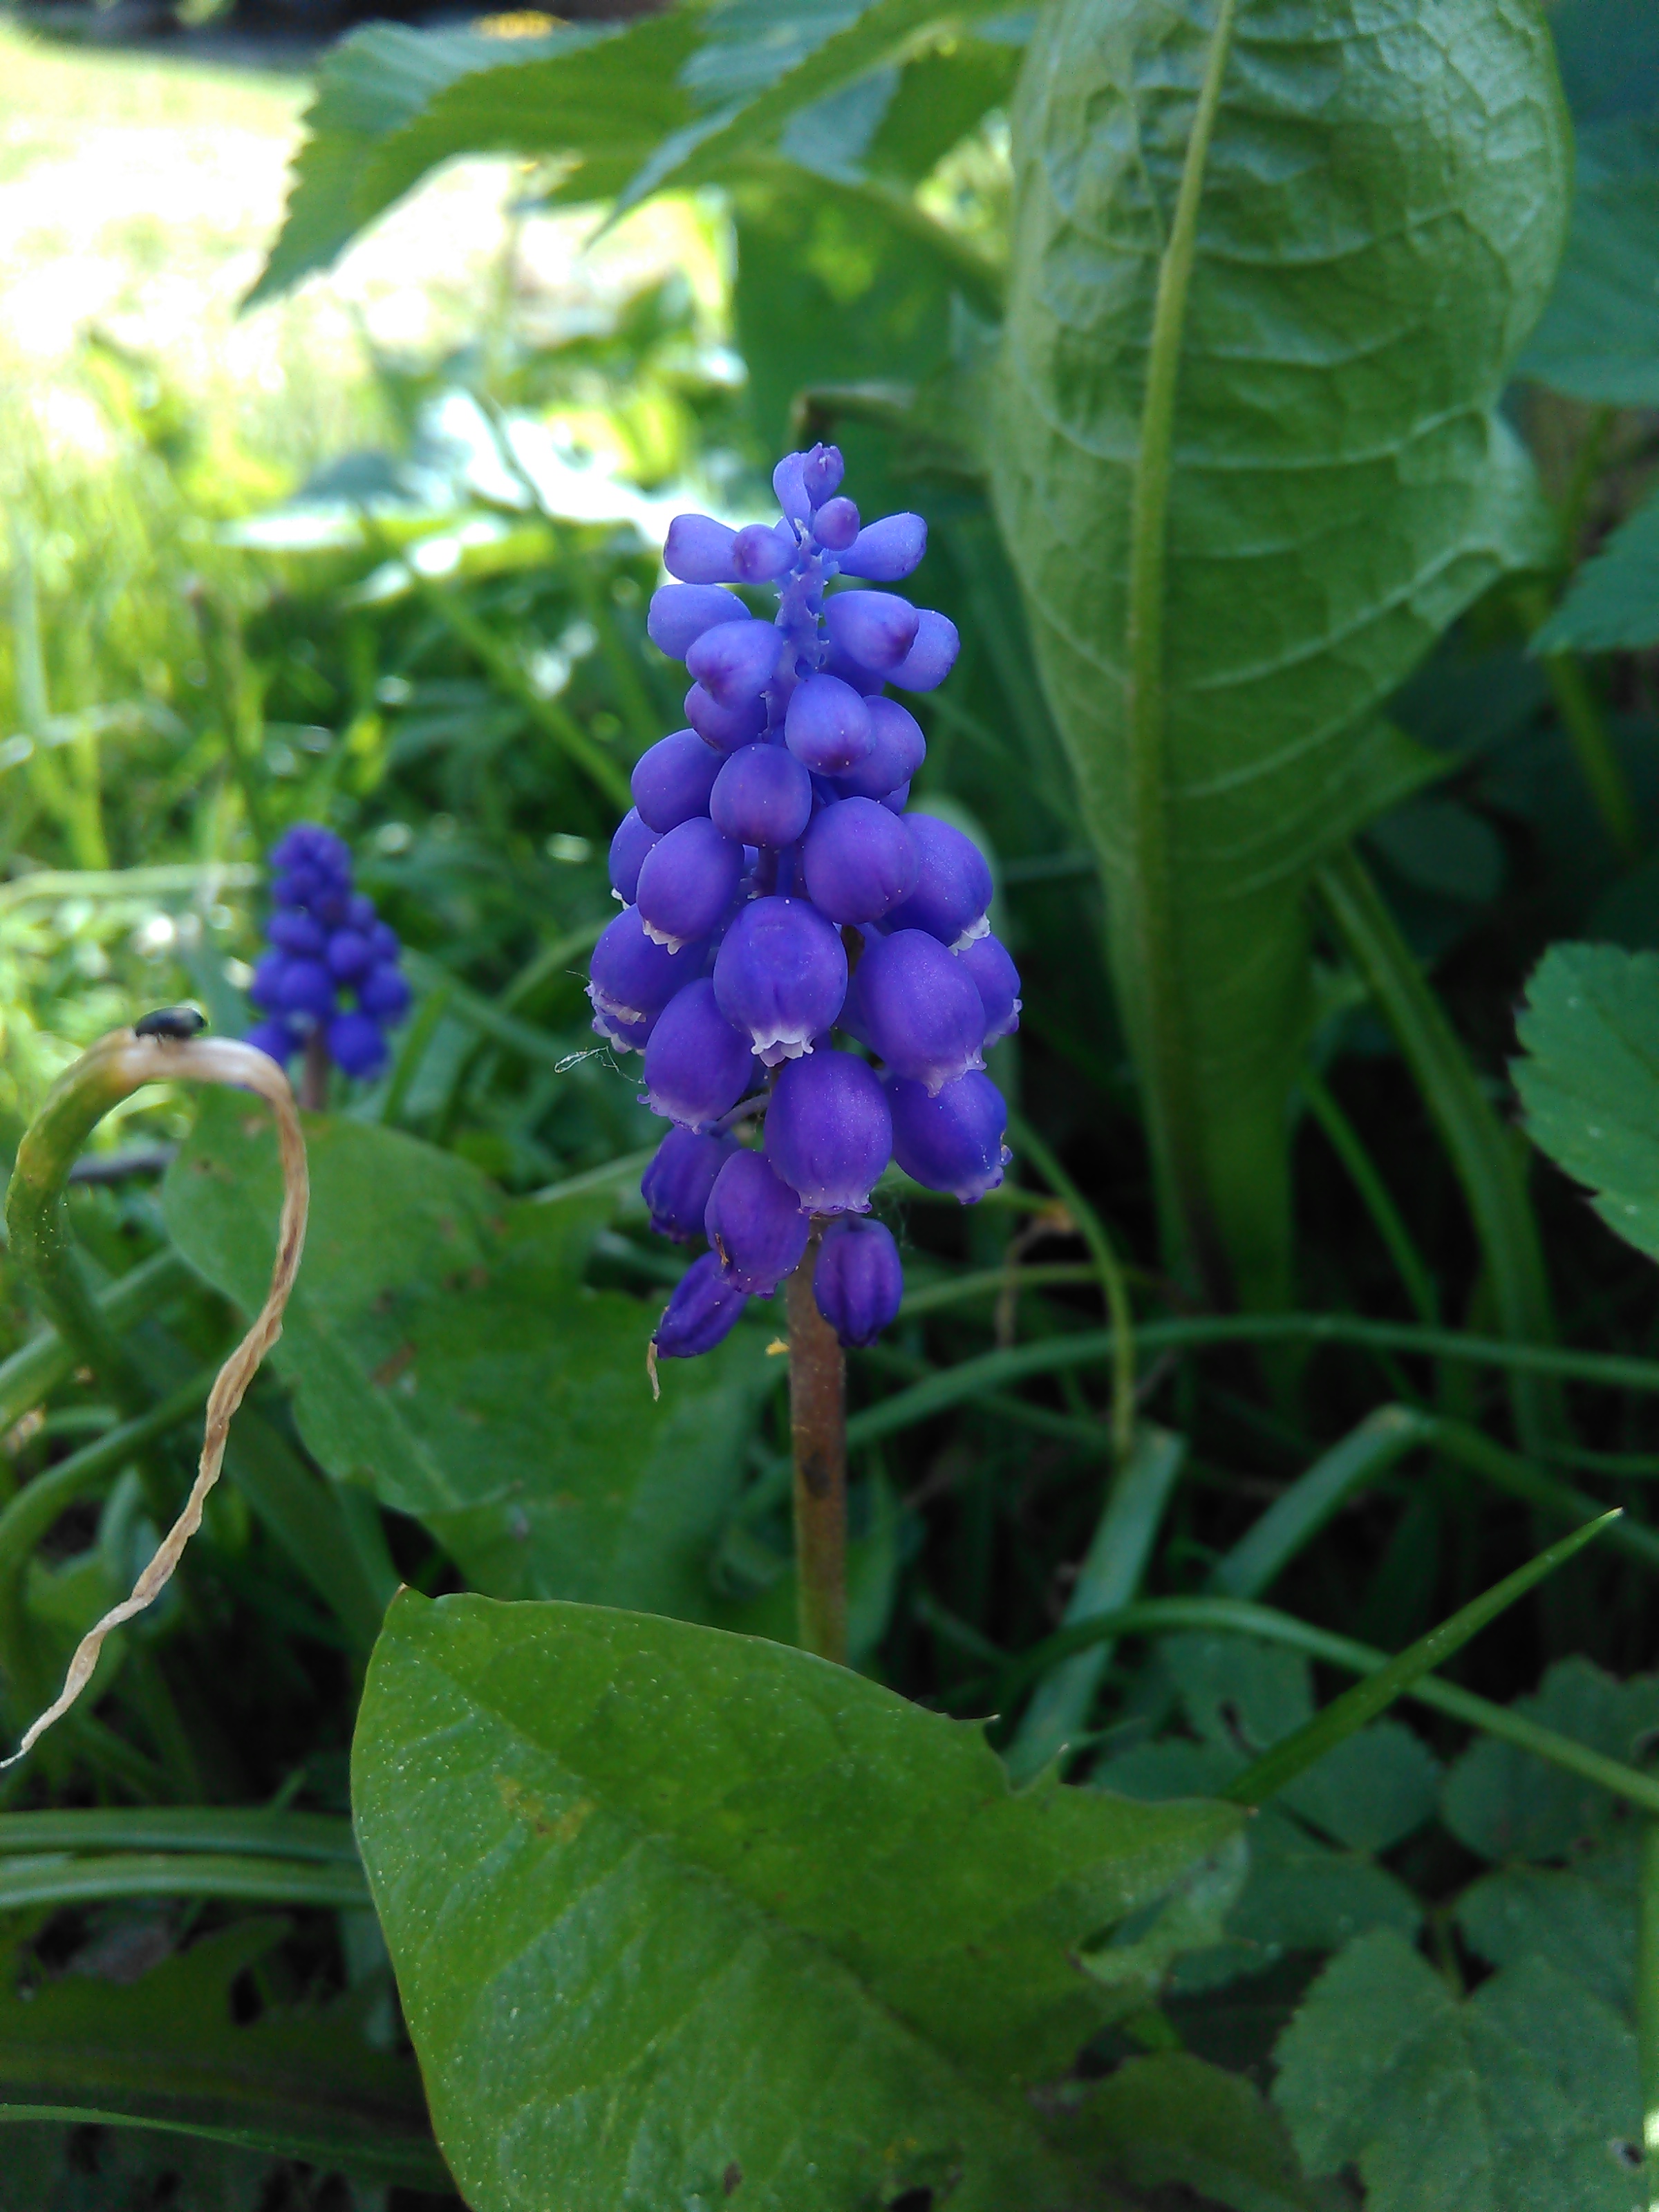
276,1039
835,524
951,1140
633,840
736,661
878,630
763,796
358,1045
686,882
630,980
918,1008
827,725
997,981
952,897
696,1064
761,552
298,933
672,778
384,993
932,656
756,1223
859,861
829,1132
898,750
307,988
698,551
725,728
676,1184
859,1279
780,976
822,469
680,613
886,552
706,1307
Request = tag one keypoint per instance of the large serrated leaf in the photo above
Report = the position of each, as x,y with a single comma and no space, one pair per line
1506,1804
1271,264
1523,2099
443,1351
677,1913
1589,1081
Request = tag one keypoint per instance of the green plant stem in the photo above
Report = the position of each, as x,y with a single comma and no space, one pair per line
817,1430
1598,760
412,1051
1165,1616
1304,1747
35,1369
1159,1012
1481,1151
1113,1286
1647,2005
1345,1142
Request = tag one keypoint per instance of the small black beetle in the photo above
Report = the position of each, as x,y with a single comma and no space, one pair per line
173,1023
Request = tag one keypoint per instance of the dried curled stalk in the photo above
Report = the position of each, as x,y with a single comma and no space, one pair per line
116,1066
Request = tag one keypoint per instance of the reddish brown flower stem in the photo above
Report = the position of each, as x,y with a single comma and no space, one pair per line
818,1425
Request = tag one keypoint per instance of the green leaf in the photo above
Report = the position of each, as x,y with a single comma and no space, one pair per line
1589,1081
675,1912
1173,2119
1522,2099
1506,1803
163,2052
393,104
1598,338
1268,276
1581,1918
442,1349
1613,603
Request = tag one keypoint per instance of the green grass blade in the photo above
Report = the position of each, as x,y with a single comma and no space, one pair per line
45,1878
1350,1711
1292,1522
226,1829
36,1369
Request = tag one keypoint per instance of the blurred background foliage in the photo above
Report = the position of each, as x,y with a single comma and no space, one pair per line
378,555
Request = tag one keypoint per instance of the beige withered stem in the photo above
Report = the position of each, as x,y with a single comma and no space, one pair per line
116,1066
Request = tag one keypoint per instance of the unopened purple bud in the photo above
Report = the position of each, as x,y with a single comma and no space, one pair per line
884,551
356,1046
384,938
275,1040
307,988
918,1008
951,1140
631,978
821,472
829,1132
755,1223
676,1184
859,1279
953,889
932,656
726,728
736,661
361,915
686,882
706,1307
329,904
827,725
835,524
350,955
268,988
634,839
789,489
859,860
876,628
293,886
384,993
997,981
309,845
290,930
761,552
780,976
895,802
763,796
680,613
672,778
696,1064
698,551
896,751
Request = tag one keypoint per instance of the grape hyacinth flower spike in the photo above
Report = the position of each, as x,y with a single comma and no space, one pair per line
329,985
786,921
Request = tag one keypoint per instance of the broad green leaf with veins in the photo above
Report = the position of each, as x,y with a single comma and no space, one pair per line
443,1351
1270,265
678,1916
